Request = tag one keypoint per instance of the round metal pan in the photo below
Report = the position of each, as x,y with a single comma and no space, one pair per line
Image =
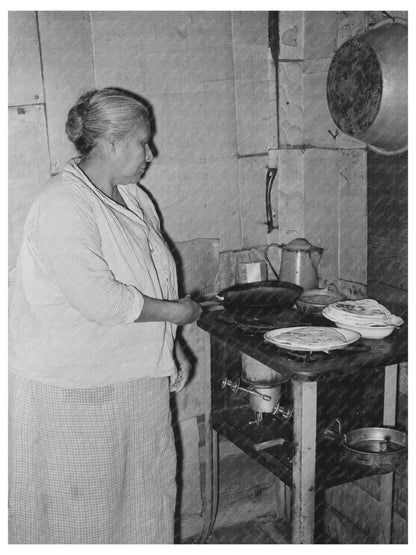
383,448
379,448
261,297
313,301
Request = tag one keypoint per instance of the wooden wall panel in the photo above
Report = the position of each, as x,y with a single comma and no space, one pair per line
290,104
207,204
252,179
291,35
28,167
25,75
387,228
251,98
250,61
182,63
352,182
317,119
304,118
160,52
350,24
67,60
290,183
189,478
320,34
321,207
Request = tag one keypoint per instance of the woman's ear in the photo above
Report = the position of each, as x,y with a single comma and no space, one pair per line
110,146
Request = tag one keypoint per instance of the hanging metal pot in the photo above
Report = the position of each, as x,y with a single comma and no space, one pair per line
379,447
367,87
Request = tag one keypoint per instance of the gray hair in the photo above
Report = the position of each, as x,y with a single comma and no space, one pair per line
109,113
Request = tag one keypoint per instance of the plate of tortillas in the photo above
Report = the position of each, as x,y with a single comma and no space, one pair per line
366,316
311,338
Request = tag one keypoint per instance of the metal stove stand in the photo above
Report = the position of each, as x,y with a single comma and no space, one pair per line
300,459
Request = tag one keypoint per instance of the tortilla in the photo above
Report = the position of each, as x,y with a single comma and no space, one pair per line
311,336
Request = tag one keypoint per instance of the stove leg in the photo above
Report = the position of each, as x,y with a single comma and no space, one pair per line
304,460
386,486
211,496
283,500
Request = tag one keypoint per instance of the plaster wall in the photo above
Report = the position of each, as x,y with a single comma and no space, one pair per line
206,76
221,119
209,80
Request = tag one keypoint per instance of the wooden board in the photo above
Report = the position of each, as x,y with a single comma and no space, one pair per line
28,167
67,60
387,228
25,76
252,179
291,35
352,182
320,34
188,477
321,206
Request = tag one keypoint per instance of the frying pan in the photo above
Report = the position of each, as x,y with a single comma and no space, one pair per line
259,298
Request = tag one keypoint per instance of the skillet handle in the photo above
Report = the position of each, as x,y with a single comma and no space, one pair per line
266,256
353,348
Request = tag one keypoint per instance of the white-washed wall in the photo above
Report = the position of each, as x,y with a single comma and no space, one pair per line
207,76
322,172
211,81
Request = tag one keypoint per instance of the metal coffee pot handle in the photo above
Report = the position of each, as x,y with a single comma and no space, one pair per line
266,256
318,251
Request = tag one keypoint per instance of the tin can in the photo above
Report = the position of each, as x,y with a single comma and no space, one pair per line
249,272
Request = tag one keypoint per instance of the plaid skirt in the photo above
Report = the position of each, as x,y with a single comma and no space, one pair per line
91,466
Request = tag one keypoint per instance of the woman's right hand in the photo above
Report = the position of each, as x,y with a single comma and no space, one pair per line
180,312
189,311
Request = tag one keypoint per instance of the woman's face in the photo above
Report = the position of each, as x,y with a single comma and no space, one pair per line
131,157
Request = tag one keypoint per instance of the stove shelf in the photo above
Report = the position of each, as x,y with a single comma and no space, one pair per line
234,425
360,388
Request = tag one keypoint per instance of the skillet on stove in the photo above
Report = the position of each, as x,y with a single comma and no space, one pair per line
261,297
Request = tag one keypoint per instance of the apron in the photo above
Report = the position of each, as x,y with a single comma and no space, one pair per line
91,466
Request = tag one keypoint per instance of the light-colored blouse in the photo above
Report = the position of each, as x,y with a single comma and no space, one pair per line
84,263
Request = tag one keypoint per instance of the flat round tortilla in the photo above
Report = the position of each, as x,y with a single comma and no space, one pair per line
311,336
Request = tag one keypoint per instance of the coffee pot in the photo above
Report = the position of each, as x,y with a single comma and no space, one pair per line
299,263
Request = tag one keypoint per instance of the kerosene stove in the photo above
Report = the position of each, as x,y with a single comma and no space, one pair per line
264,387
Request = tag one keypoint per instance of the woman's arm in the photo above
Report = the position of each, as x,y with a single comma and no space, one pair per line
69,244
181,378
183,311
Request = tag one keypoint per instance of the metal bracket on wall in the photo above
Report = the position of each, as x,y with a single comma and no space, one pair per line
270,177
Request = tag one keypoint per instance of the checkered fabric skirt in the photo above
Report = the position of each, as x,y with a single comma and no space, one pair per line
91,466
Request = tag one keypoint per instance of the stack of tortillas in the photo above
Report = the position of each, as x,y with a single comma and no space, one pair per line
364,312
311,336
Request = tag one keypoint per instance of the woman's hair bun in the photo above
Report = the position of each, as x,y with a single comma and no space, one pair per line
75,122
109,113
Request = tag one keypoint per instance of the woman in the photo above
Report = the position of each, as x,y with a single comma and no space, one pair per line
92,344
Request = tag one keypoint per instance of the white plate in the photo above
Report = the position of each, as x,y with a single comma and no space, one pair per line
364,313
275,338
369,332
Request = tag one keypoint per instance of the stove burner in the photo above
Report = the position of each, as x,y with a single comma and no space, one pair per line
302,356
253,325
